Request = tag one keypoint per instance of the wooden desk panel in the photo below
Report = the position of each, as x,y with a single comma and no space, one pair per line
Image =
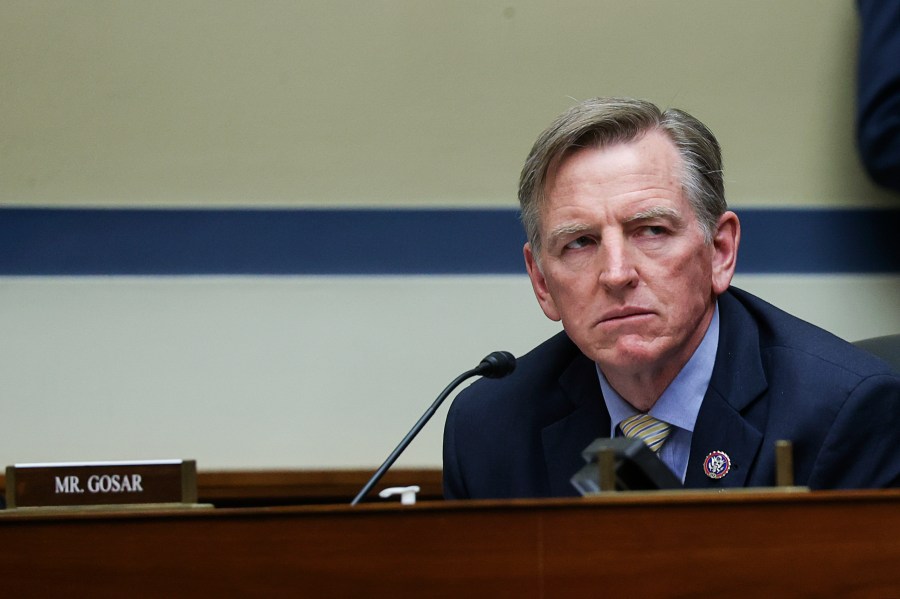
688,544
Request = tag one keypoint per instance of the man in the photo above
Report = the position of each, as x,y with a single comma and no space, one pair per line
631,246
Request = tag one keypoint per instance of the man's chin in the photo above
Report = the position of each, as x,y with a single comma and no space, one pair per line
627,354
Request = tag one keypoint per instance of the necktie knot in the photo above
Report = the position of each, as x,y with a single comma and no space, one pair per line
648,429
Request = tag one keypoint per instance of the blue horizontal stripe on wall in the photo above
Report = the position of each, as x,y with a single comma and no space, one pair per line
72,241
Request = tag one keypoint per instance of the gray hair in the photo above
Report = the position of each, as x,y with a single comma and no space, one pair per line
601,122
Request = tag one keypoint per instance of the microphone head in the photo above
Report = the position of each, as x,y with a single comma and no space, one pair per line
496,365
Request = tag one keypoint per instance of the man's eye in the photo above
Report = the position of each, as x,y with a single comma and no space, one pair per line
654,230
581,242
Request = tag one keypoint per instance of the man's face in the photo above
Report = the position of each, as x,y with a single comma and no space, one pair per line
624,263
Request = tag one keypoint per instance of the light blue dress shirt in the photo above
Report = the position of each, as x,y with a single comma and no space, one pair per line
678,405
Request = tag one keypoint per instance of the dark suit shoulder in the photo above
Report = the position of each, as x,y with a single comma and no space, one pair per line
807,371
786,379
783,334
494,437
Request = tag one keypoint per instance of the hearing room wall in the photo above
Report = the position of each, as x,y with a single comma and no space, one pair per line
230,106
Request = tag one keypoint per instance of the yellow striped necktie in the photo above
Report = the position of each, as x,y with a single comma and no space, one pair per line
648,429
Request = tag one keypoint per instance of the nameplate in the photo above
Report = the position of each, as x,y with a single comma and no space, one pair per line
101,483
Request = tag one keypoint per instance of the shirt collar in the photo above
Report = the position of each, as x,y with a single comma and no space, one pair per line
680,403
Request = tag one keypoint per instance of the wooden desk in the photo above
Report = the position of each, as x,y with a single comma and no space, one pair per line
692,545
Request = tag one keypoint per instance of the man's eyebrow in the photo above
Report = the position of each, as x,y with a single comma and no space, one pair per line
567,229
656,212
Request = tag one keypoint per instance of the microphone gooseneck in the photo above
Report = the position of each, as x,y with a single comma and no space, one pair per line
494,366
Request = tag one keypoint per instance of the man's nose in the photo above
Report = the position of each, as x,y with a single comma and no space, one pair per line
617,267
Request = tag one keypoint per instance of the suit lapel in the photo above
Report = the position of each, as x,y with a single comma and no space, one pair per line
579,418
738,379
720,428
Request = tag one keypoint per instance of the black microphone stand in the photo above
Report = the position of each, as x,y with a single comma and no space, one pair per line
495,365
412,434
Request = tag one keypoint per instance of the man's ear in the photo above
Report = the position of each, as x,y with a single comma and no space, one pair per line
726,239
539,284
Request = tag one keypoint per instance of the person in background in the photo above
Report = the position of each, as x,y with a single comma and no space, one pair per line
878,91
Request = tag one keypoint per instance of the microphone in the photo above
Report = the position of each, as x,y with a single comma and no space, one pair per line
494,366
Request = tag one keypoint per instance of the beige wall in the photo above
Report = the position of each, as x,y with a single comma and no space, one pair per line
404,102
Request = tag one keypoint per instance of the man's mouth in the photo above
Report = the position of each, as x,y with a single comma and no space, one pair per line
623,314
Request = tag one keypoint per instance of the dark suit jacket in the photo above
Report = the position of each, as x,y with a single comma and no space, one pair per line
775,377
878,90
